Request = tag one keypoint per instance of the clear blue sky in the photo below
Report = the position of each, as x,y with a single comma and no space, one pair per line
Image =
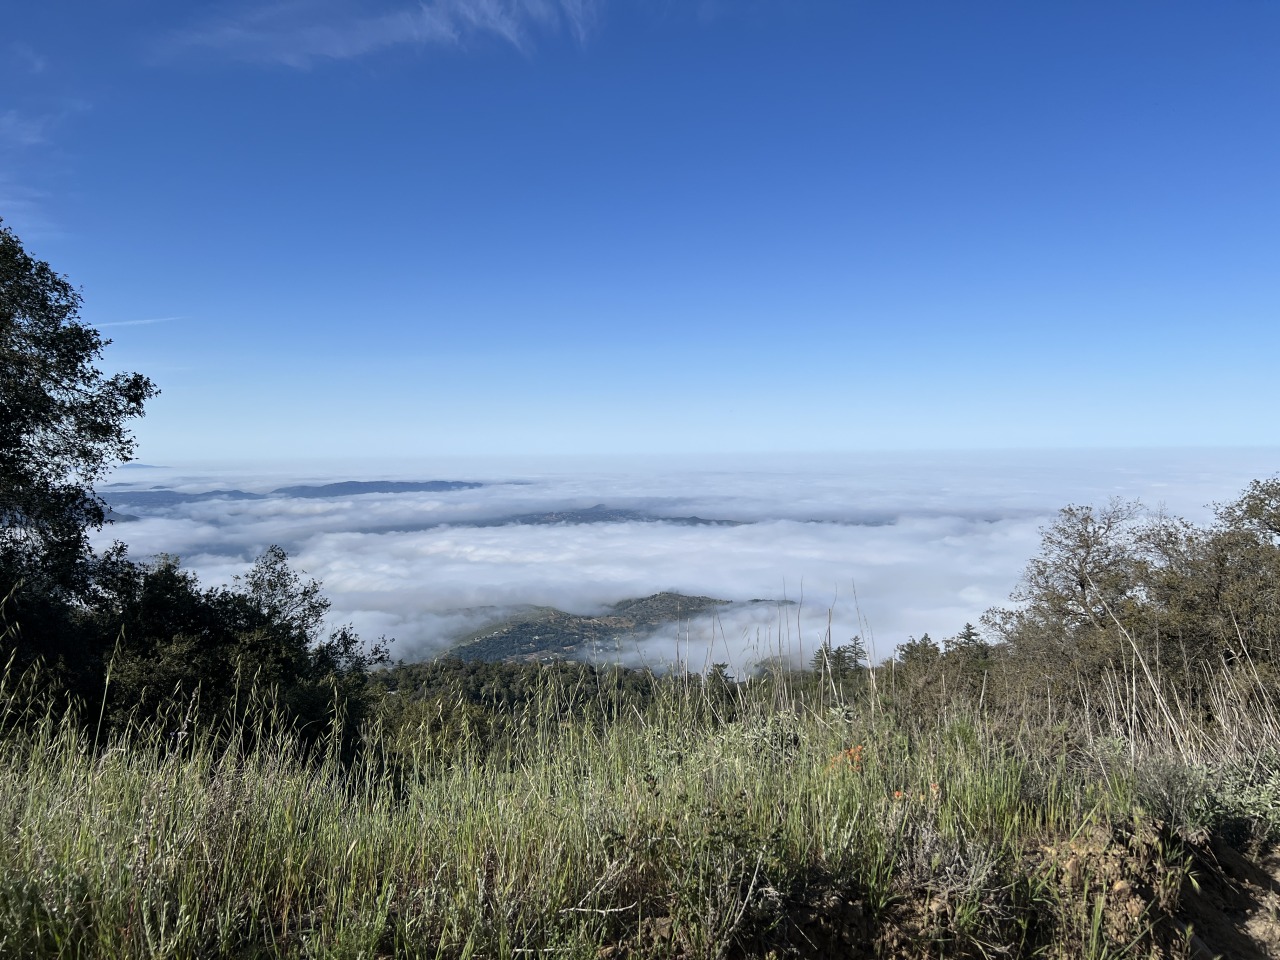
380,228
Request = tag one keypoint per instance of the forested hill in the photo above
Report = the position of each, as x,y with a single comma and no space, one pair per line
543,633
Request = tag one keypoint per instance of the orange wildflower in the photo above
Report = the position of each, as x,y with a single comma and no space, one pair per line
850,758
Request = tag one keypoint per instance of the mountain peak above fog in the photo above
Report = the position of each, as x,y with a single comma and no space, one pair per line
540,633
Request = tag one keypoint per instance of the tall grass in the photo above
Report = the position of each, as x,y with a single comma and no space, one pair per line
700,827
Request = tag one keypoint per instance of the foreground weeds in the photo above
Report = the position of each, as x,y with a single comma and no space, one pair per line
771,830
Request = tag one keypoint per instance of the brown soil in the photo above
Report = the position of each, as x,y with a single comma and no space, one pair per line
1235,914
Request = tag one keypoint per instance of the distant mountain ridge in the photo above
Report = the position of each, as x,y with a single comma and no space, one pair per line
161,498
170,498
348,488
602,513
164,497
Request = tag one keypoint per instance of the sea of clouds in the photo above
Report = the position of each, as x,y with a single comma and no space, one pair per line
883,546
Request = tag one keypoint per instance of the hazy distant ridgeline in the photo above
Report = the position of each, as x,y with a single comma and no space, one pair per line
164,497
160,499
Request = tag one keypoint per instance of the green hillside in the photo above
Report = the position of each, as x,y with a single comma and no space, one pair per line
544,633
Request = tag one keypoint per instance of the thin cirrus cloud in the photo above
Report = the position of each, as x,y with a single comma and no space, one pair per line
300,33
26,58
23,130
26,138
138,323
24,209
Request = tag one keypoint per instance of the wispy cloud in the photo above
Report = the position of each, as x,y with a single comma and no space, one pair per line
299,33
25,58
23,130
138,323
581,15
22,208
23,140
28,138
33,118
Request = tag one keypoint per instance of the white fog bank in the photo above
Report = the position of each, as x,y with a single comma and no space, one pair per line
928,541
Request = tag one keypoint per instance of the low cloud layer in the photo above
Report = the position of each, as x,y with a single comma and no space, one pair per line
884,547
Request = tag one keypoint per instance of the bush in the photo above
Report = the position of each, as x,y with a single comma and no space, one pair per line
179,642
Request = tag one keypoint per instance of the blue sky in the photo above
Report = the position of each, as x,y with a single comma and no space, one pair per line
382,229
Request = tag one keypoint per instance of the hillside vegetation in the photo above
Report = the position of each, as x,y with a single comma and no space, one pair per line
792,816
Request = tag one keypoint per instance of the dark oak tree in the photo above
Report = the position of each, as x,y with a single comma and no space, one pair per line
63,422
63,425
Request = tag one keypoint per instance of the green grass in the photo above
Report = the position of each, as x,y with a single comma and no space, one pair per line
785,831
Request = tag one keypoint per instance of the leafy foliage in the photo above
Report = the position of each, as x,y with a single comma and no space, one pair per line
62,421
179,642
1118,585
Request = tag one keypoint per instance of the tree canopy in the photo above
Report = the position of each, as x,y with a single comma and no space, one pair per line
1116,585
63,422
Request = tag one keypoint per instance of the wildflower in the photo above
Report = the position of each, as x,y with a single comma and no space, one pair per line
850,758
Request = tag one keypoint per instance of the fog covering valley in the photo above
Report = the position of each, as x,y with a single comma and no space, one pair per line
436,550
